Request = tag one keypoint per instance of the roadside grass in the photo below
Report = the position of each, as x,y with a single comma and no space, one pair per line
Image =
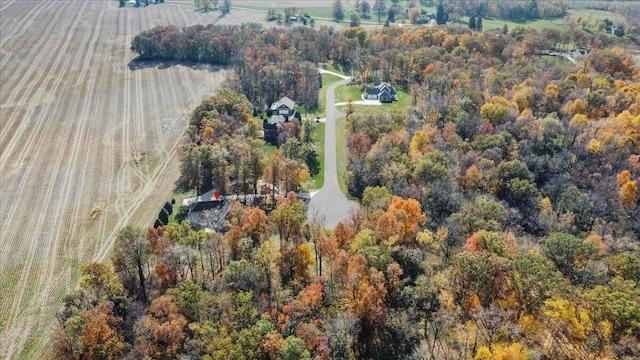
327,80
317,182
341,153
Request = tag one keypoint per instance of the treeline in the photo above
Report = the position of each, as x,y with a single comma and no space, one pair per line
269,63
508,10
408,57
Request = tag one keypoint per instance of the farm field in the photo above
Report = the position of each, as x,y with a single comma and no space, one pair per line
82,135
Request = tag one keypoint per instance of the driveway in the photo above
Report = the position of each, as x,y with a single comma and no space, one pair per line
329,203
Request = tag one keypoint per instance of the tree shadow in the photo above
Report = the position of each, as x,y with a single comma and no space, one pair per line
138,64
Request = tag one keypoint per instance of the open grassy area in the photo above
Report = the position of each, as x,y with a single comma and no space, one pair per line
346,92
179,196
318,180
497,24
331,67
597,15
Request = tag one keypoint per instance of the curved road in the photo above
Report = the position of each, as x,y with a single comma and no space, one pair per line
330,204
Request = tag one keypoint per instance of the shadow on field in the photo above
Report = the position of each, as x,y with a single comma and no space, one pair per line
137,64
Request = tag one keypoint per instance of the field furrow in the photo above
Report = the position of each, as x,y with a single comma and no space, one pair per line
30,283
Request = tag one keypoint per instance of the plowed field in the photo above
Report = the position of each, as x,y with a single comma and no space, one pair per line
80,130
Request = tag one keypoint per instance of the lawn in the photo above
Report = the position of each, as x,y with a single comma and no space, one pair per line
327,80
318,181
343,93
341,153
179,195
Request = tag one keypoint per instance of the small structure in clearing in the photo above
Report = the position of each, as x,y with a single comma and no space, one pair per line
382,92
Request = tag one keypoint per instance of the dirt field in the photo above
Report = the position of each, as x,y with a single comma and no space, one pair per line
79,130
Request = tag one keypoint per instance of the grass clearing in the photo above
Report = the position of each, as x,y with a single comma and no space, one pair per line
597,15
327,80
317,182
497,24
179,195
341,153
346,92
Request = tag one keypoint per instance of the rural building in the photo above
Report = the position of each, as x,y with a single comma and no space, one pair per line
208,200
282,107
381,91
279,112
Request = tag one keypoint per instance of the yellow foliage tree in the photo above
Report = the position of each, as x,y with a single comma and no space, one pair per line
419,142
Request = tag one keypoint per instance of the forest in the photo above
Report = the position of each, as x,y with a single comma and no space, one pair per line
499,213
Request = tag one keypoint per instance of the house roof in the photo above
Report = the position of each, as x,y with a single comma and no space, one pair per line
381,85
386,87
276,119
380,88
384,93
208,196
284,101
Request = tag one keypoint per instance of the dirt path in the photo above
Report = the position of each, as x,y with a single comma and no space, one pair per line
329,203
79,129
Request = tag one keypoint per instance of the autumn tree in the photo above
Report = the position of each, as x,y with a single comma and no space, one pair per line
162,330
130,259
477,278
94,334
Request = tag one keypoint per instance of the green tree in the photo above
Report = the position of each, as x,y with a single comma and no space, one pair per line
480,274
619,302
625,264
483,213
570,254
131,256
338,10
441,15
533,279
376,198
379,6
472,22
293,349
225,8
288,220
355,20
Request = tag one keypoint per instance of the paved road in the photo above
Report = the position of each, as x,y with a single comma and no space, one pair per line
330,203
